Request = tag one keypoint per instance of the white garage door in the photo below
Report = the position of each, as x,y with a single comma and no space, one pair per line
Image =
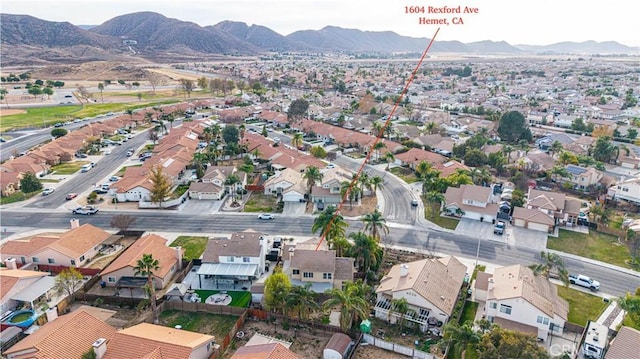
519,223
538,227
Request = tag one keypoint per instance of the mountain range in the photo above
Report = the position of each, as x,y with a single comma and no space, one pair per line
152,36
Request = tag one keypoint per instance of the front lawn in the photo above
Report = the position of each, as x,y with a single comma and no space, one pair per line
405,174
469,312
193,246
258,203
582,306
595,245
217,325
17,197
238,298
68,168
444,222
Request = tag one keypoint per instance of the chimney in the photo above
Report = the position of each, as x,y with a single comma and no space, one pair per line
11,263
179,256
491,285
100,347
75,223
52,314
404,270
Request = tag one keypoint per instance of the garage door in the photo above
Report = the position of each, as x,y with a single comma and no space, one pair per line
292,197
538,227
519,223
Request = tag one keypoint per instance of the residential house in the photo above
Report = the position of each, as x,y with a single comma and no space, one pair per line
430,287
134,186
68,336
121,272
629,162
73,248
328,191
519,300
555,204
582,177
18,287
624,345
238,260
470,201
9,182
287,183
414,156
626,190
146,340
320,267
213,184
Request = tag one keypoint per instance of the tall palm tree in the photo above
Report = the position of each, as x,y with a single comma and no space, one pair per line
364,250
352,304
507,149
365,180
377,147
422,169
389,158
376,182
297,140
330,224
434,199
352,191
303,300
375,223
146,266
313,176
401,306
551,264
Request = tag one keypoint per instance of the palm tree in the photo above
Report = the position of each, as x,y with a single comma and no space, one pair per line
297,140
146,267
431,128
556,147
507,149
375,224
458,337
389,157
376,182
401,307
303,300
364,250
552,265
364,181
330,224
422,169
352,191
352,304
313,176
434,198
377,147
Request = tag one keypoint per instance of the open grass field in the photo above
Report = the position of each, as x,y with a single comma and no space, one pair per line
595,245
17,197
193,246
582,306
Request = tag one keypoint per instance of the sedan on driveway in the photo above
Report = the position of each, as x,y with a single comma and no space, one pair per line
114,179
266,216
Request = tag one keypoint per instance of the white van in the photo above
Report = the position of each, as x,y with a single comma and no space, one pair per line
86,168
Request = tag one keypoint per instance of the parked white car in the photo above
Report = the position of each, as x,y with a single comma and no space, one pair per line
47,191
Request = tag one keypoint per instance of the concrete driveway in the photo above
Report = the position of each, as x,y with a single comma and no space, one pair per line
200,206
294,208
513,236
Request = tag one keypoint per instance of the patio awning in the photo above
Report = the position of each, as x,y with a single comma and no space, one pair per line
131,282
36,289
228,269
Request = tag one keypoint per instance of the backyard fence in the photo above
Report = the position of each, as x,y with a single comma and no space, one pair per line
265,315
396,348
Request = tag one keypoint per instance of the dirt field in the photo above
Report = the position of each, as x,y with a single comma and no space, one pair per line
371,352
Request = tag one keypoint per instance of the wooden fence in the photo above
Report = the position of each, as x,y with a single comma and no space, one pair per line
396,348
56,269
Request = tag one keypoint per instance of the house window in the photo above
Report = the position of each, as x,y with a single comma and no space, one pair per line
23,260
73,262
326,275
111,279
231,259
35,259
81,258
308,274
505,309
493,305
296,272
51,261
546,321
245,259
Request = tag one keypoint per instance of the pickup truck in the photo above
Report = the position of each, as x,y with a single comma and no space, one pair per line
499,228
86,210
584,281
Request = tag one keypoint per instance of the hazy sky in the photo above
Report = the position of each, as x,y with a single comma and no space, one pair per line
532,22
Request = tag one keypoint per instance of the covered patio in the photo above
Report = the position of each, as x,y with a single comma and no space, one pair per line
227,275
37,293
136,286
